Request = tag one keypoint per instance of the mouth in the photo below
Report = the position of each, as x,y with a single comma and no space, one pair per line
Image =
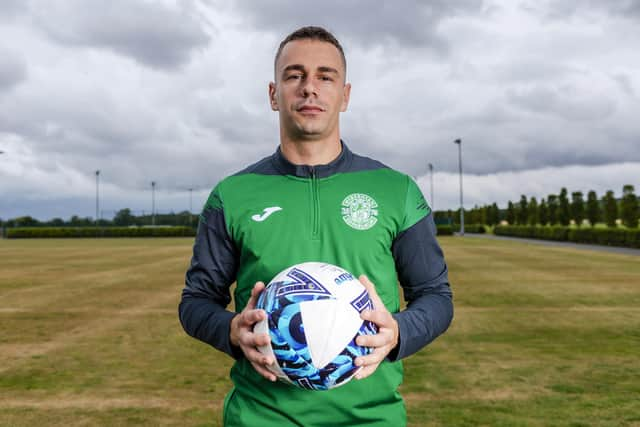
310,109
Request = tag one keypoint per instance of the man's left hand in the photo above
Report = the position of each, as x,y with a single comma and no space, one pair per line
384,341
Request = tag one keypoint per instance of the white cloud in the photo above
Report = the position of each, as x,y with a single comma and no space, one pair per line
153,33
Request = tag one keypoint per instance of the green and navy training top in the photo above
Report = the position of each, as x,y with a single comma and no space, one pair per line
354,212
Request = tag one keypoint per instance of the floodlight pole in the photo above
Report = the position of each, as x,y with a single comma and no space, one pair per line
97,196
458,142
190,207
431,179
153,203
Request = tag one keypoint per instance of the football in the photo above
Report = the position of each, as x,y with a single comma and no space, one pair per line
313,318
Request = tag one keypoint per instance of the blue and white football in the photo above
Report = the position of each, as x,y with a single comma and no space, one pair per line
313,318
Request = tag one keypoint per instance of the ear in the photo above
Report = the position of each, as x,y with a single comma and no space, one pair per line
272,96
346,93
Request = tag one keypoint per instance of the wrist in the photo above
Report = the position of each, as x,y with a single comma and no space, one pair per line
233,331
396,332
394,353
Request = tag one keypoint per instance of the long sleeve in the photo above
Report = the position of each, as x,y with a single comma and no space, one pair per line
424,278
213,269
423,275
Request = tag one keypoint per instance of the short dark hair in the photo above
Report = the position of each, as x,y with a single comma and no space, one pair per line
311,33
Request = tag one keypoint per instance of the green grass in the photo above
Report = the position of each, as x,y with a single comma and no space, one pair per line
542,336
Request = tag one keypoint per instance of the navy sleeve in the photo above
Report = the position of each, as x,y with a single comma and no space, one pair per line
423,275
205,296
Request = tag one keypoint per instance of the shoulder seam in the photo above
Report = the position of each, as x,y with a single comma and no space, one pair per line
253,167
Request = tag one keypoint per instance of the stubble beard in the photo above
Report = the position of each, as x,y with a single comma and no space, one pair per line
308,130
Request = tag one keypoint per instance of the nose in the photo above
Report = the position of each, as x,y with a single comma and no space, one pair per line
308,88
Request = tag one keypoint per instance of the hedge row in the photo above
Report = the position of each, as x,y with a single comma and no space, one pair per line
597,236
444,230
65,232
559,233
448,230
475,228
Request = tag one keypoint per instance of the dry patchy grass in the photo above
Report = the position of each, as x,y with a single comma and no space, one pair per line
542,336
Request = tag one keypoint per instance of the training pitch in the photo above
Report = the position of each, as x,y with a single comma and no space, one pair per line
89,335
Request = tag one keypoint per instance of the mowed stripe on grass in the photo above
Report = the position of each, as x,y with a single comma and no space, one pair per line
541,336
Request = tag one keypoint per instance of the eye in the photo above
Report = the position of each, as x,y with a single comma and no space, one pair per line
294,77
326,79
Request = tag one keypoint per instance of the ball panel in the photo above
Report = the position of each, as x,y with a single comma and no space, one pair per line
292,364
340,370
329,326
343,368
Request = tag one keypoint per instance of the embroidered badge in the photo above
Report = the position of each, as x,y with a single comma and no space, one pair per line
360,211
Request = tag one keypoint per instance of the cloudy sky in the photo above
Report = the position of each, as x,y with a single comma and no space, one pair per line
543,94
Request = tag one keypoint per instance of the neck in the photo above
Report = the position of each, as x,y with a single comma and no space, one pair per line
311,152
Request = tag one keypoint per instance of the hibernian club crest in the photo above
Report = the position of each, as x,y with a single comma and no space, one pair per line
359,211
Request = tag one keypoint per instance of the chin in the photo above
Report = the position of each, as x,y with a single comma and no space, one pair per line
310,132
309,136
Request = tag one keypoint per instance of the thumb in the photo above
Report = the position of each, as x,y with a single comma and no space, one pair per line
371,289
255,293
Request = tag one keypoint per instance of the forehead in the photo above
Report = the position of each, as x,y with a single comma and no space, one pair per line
311,54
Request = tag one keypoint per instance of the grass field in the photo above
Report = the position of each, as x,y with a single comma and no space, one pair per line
89,335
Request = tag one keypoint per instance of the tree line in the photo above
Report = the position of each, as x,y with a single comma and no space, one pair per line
123,218
556,209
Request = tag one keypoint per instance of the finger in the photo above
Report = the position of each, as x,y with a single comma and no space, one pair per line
261,339
264,371
371,289
379,317
249,317
388,330
254,356
257,289
260,362
249,339
374,358
255,293
374,341
366,371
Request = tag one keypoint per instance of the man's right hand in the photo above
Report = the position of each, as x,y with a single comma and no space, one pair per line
242,336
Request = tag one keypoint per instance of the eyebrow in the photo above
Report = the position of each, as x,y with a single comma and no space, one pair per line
300,67
325,69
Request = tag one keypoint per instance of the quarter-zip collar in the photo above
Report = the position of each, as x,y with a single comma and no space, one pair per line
342,163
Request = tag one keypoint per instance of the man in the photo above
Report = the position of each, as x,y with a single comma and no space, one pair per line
315,200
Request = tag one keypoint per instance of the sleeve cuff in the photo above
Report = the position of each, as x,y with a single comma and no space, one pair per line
397,352
225,341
